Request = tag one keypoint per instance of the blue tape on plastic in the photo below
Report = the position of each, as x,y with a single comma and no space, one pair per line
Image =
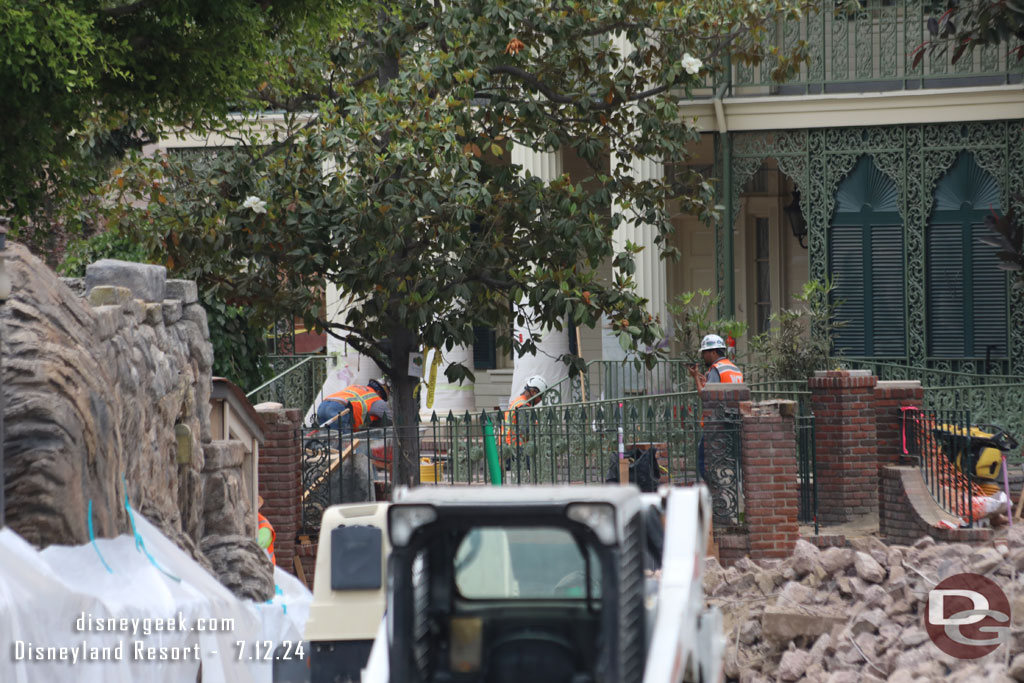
139,543
92,540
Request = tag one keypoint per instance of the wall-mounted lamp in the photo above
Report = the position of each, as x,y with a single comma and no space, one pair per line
796,219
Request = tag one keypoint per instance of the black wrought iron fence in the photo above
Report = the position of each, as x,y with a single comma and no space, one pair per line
565,445
807,479
941,442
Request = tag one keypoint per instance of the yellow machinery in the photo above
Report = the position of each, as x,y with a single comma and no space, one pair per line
978,452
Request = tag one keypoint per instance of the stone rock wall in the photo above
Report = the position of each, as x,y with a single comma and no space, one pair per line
108,396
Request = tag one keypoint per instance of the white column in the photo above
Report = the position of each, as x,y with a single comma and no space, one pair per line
651,276
552,344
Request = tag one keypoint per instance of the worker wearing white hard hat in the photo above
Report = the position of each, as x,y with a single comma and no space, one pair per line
720,368
535,386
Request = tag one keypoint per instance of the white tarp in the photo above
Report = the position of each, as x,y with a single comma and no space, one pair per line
125,614
447,397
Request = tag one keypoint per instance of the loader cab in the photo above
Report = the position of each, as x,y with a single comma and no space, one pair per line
536,584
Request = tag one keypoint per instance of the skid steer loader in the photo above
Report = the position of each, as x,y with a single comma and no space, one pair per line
537,584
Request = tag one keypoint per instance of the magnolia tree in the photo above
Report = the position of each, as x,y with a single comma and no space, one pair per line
397,184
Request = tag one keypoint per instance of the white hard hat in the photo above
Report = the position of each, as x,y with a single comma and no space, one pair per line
537,382
712,341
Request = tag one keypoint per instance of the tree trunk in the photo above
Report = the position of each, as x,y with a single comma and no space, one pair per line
406,460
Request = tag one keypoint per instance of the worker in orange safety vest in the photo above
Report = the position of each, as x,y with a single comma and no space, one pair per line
359,407
530,397
720,370
265,534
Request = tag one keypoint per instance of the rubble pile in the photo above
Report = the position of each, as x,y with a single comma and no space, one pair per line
844,615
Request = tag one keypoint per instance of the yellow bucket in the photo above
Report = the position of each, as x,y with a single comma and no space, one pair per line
429,470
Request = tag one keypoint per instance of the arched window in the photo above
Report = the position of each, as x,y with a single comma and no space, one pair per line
966,288
866,261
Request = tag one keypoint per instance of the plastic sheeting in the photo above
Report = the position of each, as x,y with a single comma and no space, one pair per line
121,610
447,397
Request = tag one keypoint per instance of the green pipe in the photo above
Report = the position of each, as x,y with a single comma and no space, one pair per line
491,452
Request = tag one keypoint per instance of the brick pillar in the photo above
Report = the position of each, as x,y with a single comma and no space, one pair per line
770,478
846,444
280,480
889,398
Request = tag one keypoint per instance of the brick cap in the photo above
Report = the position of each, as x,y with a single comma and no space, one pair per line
842,373
727,388
899,384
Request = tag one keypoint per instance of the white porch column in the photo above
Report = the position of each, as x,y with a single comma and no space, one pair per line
651,275
546,166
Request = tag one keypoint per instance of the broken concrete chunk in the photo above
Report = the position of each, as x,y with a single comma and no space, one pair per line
868,568
786,623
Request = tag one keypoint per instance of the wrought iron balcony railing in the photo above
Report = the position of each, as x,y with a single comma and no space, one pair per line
870,50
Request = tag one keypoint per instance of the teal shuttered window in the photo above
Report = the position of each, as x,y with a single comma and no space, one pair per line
967,305
485,356
867,263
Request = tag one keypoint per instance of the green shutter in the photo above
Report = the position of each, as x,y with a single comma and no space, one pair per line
866,261
847,259
967,298
945,291
887,287
989,284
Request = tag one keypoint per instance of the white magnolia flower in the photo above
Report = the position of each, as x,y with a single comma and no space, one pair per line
691,63
255,203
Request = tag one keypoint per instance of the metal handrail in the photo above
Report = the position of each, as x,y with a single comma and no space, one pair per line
280,376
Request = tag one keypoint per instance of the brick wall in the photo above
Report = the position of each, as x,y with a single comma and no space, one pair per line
732,545
280,481
846,444
889,398
769,466
906,511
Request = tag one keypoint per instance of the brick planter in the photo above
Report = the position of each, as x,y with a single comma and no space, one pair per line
906,511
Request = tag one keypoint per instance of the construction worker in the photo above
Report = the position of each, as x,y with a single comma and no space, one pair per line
530,397
720,370
265,534
356,407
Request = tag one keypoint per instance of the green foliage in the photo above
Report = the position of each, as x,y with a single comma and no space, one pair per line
111,244
965,25
239,348
83,81
693,312
800,340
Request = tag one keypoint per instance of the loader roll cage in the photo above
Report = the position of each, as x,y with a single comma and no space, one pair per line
540,592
